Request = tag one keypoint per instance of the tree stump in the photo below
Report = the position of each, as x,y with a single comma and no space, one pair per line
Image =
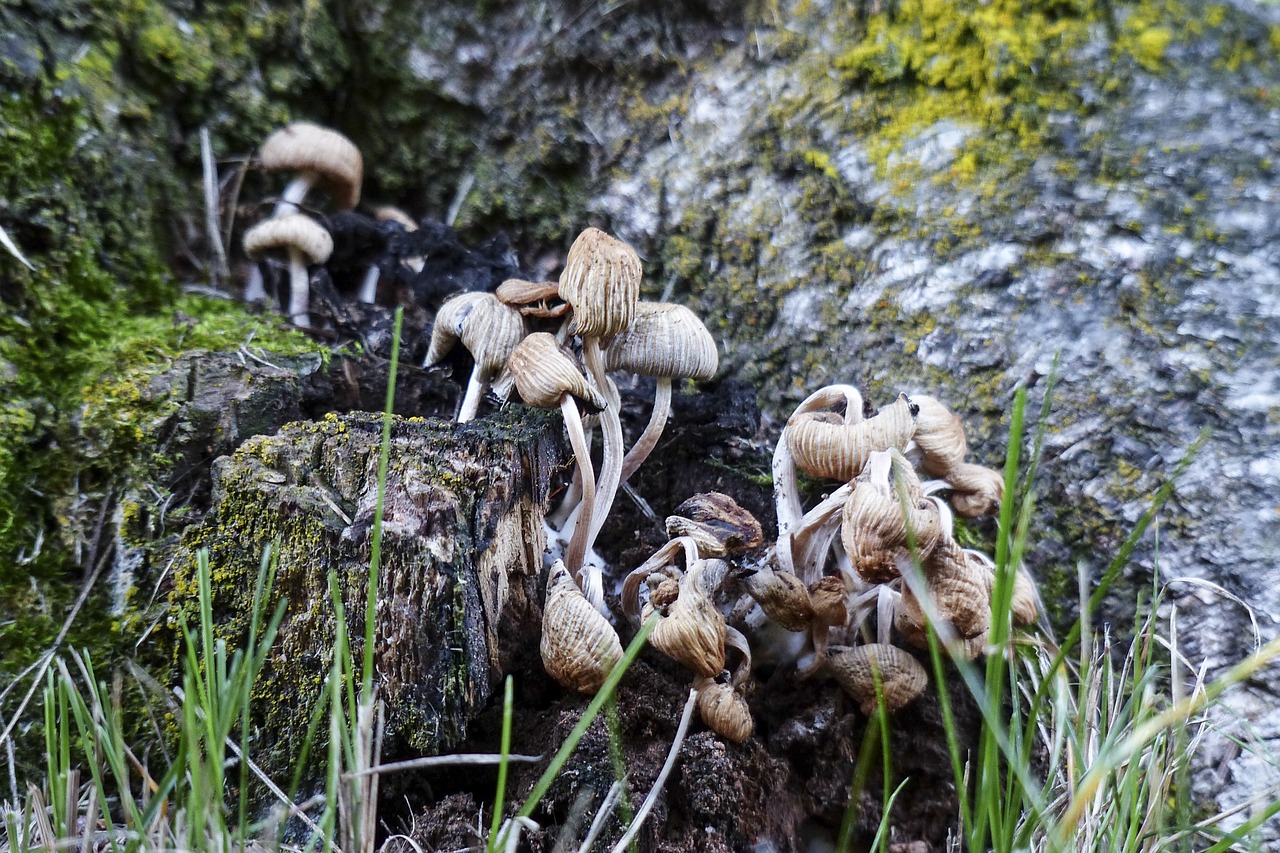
461,560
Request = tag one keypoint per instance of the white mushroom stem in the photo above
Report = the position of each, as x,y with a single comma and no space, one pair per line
811,540
611,431
254,291
884,614
299,289
293,194
648,439
369,287
476,386
582,452
660,561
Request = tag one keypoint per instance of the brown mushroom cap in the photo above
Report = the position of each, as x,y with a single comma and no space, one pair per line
828,598
306,147
387,213
693,631
664,340
782,596
601,280
533,298
723,710
544,373
901,676
579,647
291,231
717,523
939,435
874,529
959,588
978,489
839,451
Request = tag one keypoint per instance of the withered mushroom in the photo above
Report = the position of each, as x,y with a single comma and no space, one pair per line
319,156
579,647
977,490
539,299
693,631
876,532
489,329
857,669
302,241
839,451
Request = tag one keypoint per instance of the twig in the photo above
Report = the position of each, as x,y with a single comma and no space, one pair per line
455,207
606,809
464,758
8,243
211,205
650,800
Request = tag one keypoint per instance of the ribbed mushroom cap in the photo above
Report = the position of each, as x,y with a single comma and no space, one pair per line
543,373
723,710
579,647
387,213
1025,603
306,147
838,451
939,435
693,631
601,280
717,524
959,588
873,529
533,298
978,489
291,231
664,340
781,595
828,598
489,329
901,676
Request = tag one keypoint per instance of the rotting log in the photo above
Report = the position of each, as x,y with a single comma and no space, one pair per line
459,587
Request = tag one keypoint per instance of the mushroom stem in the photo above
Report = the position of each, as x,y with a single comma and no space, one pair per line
611,431
369,287
652,432
812,537
293,194
582,452
254,291
299,289
476,386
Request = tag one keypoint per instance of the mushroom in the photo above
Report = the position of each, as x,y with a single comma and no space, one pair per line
839,451
958,590
303,241
720,701
579,647
717,523
977,490
665,341
533,298
781,595
488,329
875,532
601,281
318,156
693,631
547,378
901,677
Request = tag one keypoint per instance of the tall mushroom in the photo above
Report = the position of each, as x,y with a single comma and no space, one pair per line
302,241
601,282
318,156
547,378
489,329
665,341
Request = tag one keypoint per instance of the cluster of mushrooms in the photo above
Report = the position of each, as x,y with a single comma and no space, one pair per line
873,561
316,158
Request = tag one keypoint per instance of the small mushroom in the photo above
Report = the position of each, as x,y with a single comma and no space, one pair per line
303,241
940,438
693,631
717,523
667,342
723,709
781,595
579,647
319,156
533,299
875,532
547,378
857,669
489,329
959,591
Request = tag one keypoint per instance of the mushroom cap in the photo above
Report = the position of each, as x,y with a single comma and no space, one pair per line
960,590
839,451
939,435
489,329
901,676
978,490
306,147
601,280
874,528
544,373
664,340
533,298
782,596
693,631
387,213
828,598
291,231
579,647
717,523
724,711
